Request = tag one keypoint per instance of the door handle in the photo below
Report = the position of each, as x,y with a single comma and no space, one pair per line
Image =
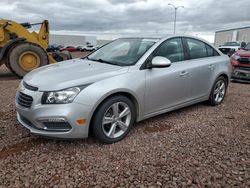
211,66
183,73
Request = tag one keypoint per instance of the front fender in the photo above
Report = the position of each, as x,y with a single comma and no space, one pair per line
96,93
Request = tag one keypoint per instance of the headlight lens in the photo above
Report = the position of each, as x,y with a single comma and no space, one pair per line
61,97
236,56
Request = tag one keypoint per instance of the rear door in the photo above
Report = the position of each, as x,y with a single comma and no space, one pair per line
200,67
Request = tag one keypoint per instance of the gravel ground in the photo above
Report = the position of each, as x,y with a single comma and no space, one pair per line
198,146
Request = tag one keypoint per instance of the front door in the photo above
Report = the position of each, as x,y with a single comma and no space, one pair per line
166,87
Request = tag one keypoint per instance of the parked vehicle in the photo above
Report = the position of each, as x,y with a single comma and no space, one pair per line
230,47
79,48
89,48
54,48
241,64
69,48
123,82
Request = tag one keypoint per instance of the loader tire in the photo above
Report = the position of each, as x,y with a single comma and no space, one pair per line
2,62
26,57
6,64
6,59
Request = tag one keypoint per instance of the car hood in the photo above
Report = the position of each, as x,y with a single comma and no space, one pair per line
71,73
243,53
233,47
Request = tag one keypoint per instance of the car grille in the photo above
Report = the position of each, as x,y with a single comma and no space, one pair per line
29,87
244,60
24,100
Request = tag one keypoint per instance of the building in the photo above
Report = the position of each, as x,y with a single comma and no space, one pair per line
241,34
72,40
75,40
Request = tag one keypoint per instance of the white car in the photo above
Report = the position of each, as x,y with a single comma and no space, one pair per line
126,81
230,47
89,48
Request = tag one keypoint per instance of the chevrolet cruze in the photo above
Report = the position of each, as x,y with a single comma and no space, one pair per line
125,81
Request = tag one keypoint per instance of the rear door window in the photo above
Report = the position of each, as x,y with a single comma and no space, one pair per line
211,52
199,49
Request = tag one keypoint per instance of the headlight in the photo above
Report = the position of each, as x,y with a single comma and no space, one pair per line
236,56
61,97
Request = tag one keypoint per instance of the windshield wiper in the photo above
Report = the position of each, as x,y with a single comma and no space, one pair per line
103,61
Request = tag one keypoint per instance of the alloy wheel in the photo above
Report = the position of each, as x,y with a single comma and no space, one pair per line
219,91
116,120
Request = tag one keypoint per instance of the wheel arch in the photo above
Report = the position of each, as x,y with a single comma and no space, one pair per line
123,93
224,75
211,99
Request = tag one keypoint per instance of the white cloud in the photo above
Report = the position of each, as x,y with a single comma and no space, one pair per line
130,16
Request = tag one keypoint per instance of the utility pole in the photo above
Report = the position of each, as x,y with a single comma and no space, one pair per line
175,13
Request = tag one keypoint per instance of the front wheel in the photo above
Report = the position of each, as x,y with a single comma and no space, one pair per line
114,119
218,92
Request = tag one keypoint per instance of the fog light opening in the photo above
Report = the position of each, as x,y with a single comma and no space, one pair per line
55,124
52,119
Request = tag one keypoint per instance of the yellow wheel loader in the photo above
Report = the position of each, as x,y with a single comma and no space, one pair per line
22,51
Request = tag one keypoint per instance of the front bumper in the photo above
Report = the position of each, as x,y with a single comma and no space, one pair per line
241,74
38,116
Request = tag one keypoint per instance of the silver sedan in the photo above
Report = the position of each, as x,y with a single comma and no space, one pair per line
123,82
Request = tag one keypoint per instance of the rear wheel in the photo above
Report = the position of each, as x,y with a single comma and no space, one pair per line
218,92
26,57
114,119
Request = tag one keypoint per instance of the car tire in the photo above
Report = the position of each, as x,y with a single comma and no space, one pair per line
218,91
113,119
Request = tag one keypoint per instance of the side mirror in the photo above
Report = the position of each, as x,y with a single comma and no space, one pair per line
160,62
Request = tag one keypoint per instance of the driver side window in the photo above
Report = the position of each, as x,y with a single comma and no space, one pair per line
171,49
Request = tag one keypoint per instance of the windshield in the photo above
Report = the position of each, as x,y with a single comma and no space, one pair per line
231,44
122,52
247,47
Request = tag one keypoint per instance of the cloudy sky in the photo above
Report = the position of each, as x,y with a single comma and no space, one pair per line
112,18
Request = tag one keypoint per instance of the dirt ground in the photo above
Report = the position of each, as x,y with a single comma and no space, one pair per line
198,146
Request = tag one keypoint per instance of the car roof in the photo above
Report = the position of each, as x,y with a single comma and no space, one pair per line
165,37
